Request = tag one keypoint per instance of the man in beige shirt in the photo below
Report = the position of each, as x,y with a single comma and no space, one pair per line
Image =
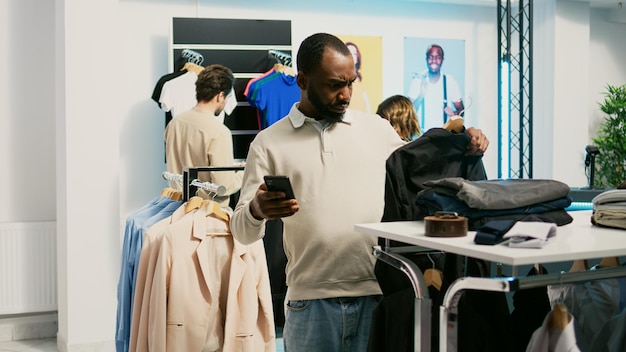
196,138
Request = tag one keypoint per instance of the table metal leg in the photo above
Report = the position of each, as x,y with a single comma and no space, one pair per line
423,303
449,311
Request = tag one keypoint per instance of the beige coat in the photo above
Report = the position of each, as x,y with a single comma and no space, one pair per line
208,292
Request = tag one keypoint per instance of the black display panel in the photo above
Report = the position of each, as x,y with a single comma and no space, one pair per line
231,31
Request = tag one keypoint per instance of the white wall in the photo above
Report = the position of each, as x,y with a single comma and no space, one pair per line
27,111
571,92
561,90
577,53
607,60
543,88
89,77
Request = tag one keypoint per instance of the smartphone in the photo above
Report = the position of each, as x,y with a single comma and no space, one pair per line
279,184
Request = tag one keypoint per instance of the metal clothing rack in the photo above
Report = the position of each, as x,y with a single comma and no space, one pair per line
422,304
170,176
218,190
282,57
573,236
449,309
192,56
191,184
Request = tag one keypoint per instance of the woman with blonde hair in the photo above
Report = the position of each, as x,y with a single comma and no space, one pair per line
400,112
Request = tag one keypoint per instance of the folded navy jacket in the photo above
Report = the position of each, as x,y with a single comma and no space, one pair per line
491,233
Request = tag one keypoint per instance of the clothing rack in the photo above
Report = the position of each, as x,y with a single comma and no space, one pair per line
191,184
422,305
170,176
192,56
571,236
218,190
281,57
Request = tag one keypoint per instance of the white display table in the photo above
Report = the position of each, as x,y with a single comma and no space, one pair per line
578,240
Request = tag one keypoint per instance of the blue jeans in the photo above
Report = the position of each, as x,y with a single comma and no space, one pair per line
329,325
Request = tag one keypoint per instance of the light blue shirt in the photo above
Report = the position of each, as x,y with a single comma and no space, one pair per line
126,283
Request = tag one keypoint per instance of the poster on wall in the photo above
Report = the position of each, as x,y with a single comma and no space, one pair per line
367,90
434,78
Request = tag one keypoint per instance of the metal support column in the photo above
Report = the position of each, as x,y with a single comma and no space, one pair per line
515,72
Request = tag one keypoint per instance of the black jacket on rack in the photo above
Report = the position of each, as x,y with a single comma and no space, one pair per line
438,153
483,316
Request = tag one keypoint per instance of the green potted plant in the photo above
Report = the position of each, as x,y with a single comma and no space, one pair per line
611,140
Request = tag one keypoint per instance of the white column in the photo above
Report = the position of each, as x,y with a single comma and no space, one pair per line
561,81
571,91
86,63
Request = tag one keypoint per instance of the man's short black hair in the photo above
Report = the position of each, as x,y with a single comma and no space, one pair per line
312,48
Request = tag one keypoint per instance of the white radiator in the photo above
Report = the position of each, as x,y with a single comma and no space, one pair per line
28,281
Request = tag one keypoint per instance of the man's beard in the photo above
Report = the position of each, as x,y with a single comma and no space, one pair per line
323,109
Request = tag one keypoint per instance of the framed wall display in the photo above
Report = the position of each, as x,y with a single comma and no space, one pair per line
431,96
367,90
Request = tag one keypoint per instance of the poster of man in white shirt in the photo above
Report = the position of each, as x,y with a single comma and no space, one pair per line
434,87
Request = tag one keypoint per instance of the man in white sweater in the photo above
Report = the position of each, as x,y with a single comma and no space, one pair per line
335,159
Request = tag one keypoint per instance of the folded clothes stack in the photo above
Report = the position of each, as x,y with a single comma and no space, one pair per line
609,209
484,201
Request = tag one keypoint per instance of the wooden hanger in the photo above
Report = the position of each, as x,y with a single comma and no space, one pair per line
288,70
454,124
176,195
193,203
559,317
433,276
213,207
172,193
191,67
166,192
608,262
579,265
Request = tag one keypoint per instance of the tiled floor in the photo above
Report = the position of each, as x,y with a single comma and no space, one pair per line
39,345
50,345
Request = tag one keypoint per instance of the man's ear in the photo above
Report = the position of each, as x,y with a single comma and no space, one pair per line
220,97
302,80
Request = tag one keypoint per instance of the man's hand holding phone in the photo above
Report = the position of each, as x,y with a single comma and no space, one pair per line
279,184
274,199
